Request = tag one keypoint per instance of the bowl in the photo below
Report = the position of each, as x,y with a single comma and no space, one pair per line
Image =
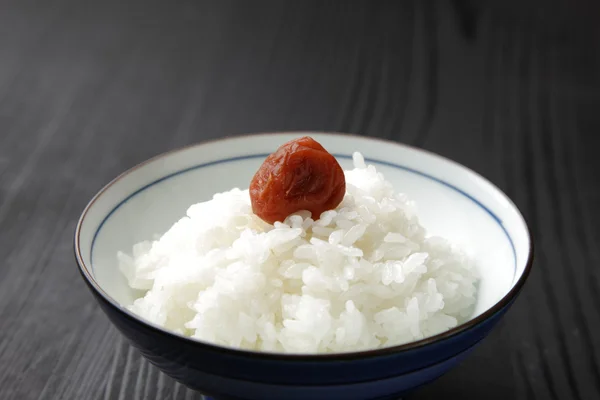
453,202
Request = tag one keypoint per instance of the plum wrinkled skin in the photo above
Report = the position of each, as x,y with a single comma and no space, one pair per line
300,175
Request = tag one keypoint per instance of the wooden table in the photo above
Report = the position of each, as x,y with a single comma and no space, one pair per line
89,89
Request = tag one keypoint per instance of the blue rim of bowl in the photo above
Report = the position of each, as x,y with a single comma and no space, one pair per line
386,351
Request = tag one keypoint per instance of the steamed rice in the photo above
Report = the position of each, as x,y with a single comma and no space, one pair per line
362,276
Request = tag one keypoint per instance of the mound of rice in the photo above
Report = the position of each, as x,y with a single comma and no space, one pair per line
362,276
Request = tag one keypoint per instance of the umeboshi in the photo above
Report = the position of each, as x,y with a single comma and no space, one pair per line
300,175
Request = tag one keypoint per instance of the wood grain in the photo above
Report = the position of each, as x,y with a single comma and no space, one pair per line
89,89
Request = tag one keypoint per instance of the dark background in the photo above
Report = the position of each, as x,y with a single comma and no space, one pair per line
88,89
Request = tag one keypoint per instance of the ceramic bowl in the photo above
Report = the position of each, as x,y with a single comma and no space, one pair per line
453,202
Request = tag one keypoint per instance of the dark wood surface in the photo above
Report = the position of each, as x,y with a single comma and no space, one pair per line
89,89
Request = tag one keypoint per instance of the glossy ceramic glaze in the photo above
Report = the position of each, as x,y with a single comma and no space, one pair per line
452,201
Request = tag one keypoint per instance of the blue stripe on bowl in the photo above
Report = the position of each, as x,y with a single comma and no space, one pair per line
343,156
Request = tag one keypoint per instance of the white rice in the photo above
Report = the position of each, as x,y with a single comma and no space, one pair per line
363,276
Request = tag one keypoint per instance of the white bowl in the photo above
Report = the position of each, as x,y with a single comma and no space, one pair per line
453,202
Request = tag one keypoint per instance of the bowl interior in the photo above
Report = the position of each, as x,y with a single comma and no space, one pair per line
452,201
